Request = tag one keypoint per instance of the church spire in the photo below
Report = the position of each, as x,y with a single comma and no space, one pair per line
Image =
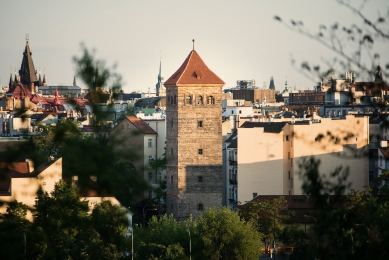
44,79
159,83
27,70
40,80
10,79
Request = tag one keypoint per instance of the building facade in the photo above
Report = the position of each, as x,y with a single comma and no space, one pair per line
193,139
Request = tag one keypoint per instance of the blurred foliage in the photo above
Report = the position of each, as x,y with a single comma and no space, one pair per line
356,47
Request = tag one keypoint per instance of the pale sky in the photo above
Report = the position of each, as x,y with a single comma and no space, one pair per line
238,40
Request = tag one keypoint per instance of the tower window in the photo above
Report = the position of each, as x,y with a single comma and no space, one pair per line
200,151
171,179
150,142
200,100
200,206
200,178
255,195
200,123
189,100
211,100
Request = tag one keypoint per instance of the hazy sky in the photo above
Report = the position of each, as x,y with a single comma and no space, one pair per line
236,39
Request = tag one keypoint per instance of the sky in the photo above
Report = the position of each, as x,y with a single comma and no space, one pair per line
238,40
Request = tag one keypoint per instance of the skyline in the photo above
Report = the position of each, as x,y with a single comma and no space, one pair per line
238,41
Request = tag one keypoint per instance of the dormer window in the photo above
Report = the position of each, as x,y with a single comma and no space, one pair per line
198,74
200,100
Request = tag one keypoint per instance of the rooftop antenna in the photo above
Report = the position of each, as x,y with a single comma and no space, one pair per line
193,43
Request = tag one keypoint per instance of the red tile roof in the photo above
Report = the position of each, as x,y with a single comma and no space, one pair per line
19,91
141,125
194,71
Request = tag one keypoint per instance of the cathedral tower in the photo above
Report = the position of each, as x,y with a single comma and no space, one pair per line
194,139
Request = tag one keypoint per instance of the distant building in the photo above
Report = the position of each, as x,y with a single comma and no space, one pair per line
247,90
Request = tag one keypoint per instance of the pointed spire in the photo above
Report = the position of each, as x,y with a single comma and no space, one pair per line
74,81
16,77
44,78
40,80
10,79
271,85
27,70
193,44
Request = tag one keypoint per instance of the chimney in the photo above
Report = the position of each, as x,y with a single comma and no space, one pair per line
30,164
384,144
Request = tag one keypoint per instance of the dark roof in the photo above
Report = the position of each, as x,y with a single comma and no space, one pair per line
385,151
232,137
194,71
269,127
141,125
27,70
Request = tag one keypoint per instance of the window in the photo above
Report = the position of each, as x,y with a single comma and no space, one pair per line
189,100
171,123
291,182
150,177
128,127
151,159
288,155
289,175
175,100
171,179
240,111
200,100
291,143
287,138
200,206
200,178
200,151
150,142
255,195
232,112
200,123
291,162
211,100
159,177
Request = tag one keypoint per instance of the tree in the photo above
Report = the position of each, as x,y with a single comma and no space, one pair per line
224,235
268,217
354,46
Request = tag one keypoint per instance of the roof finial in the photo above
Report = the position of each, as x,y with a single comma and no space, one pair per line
193,43
27,38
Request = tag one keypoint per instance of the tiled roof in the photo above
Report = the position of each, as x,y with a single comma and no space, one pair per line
371,88
141,125
194,71
19,91
270,127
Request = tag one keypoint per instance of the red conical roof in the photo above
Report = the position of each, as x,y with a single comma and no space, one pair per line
194,71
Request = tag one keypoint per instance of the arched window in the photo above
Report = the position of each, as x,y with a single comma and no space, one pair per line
211,100
189,100
200,100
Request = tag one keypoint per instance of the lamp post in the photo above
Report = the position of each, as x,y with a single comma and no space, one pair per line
144,213
190,245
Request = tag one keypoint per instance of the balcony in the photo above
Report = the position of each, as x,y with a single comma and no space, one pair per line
232,162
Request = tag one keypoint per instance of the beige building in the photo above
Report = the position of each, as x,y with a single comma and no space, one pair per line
194,139
269,154
140,142
21,182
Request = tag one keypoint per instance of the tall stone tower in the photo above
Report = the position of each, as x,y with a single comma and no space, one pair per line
194,139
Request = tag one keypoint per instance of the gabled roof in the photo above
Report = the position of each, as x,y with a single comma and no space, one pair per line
194,71
141,125
19,91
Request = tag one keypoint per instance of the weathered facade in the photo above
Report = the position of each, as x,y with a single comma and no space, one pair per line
193,139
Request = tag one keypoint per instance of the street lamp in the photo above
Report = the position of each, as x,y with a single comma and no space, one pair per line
144,213
190,245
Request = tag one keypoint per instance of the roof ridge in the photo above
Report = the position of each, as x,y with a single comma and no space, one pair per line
186,65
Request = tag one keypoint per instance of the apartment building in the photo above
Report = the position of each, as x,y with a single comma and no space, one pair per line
269,154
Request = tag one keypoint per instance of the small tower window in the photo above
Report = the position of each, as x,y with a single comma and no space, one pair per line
200,178
200,123
200,207
211,100
200,151
189,100
200,100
